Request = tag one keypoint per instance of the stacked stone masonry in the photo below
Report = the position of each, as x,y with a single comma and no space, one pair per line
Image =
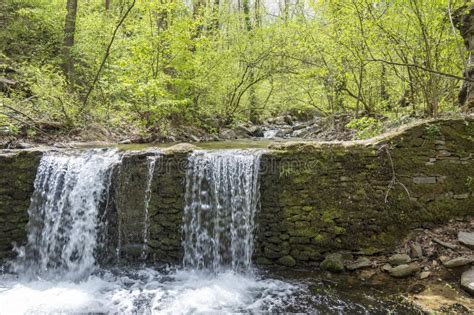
316,198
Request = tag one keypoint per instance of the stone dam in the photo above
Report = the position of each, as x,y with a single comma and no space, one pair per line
308,199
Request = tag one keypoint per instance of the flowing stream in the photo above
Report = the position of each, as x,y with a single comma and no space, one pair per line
57,272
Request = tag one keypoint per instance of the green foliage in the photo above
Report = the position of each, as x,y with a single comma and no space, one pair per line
433,131
470,183
367,127
171,64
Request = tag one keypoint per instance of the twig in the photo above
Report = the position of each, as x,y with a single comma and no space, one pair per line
19,112
107,53
26,123
412,65
394,179
455,34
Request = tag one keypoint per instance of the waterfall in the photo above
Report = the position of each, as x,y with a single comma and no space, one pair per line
64,214
151,162
221,200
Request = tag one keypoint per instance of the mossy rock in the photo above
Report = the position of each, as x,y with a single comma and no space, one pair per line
287,261
333,263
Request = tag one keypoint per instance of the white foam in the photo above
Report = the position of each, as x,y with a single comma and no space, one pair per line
146,291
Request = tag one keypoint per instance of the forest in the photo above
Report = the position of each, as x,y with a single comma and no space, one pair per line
151,67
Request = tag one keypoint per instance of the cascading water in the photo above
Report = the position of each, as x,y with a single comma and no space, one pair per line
64,232
151,162
64,214
221,200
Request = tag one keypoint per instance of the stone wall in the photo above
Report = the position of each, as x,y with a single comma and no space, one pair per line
315,198
362,197
126,213
17,175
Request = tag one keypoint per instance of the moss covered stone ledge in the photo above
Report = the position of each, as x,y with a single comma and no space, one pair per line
364,196
17,176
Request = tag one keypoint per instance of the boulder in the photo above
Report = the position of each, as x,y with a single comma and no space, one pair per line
333,263
403,271
399,259
466,238
456,262
467,281
361,262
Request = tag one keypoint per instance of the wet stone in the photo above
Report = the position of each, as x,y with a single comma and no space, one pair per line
399,259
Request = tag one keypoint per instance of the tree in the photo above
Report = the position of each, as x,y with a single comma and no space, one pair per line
69,32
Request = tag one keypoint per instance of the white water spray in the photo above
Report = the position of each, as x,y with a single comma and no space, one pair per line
64,214
221,201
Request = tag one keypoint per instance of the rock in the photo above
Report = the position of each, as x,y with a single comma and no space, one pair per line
181,148
194,138
228,134
399,259
445,244
466,238
333,263
424,275
403,271
367,274
263,261
256,132
23,145
424,180
298,127
387,268
361,262
457,262
467,281
416,250
126,141
5,131
286,261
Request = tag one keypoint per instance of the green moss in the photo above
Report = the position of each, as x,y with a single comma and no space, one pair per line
287,261
333,263
319,239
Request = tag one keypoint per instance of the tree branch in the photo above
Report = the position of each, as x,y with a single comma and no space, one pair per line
107,53
412,65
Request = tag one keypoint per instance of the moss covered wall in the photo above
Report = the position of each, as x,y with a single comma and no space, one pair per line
126,218
17,175
315,198
362,196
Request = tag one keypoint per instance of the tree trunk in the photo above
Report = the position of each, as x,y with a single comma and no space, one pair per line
216,15
253,114
107,5
464,20
69,31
